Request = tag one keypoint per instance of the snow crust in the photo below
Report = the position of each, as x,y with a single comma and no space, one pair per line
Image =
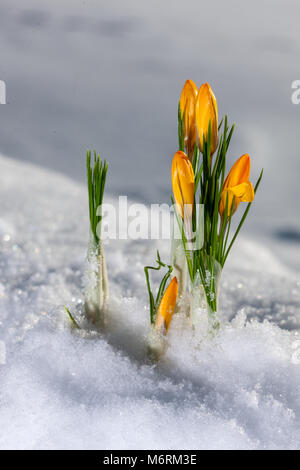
63,389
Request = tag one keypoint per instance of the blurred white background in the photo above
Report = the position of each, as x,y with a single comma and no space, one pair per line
108,75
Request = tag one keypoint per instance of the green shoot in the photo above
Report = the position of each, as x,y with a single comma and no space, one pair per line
154,304
72,319
96,178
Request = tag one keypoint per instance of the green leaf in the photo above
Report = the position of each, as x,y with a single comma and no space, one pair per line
72,319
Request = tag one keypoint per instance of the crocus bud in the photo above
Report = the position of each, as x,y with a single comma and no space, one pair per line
237,186
187,108
183,183
206,111
166,307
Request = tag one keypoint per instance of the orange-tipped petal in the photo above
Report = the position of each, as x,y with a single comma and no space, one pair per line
206,111
239,173
237,187
166,307
183,183
243,191
187,107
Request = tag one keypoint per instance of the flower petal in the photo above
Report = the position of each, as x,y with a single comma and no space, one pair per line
166,307
183,183
188,95
187,108
206,111
239,173
244,191
227,193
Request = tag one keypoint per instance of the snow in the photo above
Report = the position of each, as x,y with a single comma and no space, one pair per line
64,389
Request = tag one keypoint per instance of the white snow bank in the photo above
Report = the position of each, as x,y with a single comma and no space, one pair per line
64,390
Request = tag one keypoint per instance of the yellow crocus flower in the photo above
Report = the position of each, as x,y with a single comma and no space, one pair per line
187,108
206,111
183,183
166,307
237,186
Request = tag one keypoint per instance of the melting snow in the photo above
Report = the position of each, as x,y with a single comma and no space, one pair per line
61,389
